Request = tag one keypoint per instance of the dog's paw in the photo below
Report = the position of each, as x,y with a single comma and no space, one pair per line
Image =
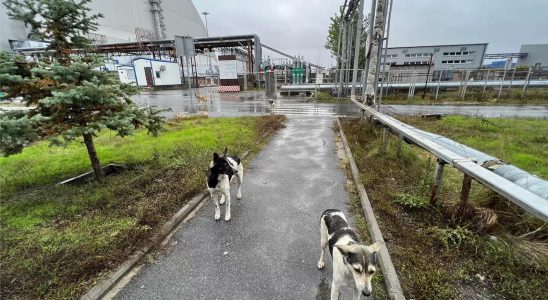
217,216
239,196
321,264
222,201
227,217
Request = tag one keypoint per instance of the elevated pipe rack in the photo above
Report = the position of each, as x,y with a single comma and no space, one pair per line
522,197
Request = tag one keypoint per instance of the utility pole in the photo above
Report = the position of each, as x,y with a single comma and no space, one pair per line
368,46
427,74
376,38
357,50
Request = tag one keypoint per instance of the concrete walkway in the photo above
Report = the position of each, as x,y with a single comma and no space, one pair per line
270,248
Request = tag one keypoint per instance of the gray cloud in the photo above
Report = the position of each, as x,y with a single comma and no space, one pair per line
300,26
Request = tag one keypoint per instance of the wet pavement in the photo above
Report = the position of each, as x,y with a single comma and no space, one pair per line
255,103
270,247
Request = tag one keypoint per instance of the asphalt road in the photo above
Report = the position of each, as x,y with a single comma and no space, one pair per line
270,248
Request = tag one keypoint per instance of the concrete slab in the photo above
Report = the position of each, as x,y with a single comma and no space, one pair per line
270,248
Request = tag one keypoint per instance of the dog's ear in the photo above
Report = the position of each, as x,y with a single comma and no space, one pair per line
375,248
215,156
226,150
344,249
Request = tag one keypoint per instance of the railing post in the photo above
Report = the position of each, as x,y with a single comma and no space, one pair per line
438,87
437,182
384,139
465,191
485,83
399,145
526,82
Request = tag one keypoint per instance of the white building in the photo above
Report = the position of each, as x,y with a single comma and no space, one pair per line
537,56
443,57
150,72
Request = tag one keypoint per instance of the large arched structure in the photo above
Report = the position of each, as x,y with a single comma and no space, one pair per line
126,21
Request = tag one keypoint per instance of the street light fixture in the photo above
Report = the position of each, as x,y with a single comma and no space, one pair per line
205,13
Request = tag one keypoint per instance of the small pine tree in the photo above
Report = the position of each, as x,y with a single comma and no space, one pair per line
70,96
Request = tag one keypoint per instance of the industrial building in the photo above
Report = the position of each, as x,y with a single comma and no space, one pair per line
124,21
441,57
537,56
128,21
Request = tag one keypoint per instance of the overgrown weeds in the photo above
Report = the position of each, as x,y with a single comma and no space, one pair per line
57,239
496,251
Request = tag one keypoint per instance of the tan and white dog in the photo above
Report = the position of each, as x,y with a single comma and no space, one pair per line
202,100
354,263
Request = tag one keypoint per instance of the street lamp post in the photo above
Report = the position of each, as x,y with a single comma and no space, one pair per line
205,13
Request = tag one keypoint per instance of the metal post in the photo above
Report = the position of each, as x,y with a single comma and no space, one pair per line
368,48
501,84
511,80
485,83
348,57
384,139
387,21
526,82
379,53
465,190
465,84
343,55
399,145
438,87
427,75
357,49
188,76
437,182
245,81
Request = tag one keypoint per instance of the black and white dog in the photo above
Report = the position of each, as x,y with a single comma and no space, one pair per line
221,171
353,262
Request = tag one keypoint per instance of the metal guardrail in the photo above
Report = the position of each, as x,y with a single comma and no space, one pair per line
527,200
435,84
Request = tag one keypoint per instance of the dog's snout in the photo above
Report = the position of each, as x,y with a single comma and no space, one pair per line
366,293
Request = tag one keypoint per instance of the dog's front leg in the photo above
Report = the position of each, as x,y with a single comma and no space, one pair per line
357,294
334,291
217,209
227,208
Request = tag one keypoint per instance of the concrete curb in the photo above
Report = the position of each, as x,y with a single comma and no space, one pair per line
389,272
104,286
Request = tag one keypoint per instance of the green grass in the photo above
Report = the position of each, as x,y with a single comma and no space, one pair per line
57,240
534,96
522,142
438,254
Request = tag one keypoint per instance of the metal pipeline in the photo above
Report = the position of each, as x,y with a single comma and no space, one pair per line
525,190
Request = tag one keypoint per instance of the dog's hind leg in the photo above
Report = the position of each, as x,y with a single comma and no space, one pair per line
222,199
240,181
323,242
214,197
227,206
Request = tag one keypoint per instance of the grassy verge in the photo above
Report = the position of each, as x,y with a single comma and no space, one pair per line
522,142
488,250
57,240
534,96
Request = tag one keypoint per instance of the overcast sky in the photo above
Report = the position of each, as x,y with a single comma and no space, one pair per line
300,26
